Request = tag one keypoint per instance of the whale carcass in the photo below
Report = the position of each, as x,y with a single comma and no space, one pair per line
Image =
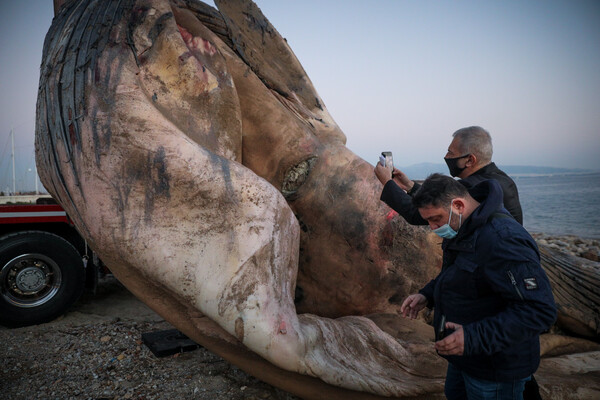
193,153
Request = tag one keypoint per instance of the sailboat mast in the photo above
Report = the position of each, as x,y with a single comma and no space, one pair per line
12,135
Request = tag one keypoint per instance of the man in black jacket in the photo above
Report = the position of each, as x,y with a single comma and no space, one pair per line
492,298
469,158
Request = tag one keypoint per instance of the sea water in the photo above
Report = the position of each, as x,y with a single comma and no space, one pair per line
565,204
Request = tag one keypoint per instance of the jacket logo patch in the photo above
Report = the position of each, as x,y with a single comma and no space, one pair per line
530,283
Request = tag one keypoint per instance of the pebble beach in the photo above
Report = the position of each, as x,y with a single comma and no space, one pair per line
571,244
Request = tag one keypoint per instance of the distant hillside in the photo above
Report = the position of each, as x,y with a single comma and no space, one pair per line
528,169
422,170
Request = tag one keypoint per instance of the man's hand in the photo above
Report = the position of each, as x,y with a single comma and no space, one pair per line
412,305
453,344
402,180
384,174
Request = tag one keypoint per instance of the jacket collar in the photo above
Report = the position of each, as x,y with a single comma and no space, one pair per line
489,168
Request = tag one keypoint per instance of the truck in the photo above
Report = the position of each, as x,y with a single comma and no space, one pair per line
45,264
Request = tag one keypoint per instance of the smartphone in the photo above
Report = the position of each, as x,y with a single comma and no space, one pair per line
441,333
387,159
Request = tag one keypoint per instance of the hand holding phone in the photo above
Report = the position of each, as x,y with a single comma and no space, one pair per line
441,331
386,173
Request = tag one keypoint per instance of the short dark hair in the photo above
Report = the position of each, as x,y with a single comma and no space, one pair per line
438,190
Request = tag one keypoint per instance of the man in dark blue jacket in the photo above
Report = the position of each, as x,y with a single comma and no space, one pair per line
492,299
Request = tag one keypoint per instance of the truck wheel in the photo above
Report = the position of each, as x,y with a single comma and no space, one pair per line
41,276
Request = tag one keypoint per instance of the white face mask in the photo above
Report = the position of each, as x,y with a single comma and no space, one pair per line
445,231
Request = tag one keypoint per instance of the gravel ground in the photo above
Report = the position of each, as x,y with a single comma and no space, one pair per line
96,352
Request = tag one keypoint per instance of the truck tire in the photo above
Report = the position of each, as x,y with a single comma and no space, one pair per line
41,276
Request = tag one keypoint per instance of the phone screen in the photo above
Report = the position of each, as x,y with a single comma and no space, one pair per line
387,156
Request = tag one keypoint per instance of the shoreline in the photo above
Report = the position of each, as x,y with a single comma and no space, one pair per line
570,244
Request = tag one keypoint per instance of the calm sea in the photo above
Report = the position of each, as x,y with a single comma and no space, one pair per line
561,204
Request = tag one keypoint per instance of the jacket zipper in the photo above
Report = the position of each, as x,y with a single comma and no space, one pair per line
514,283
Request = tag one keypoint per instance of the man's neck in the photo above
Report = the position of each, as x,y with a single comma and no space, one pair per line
471,170
470,205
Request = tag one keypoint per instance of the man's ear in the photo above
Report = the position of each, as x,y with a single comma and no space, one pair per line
459,204
471,160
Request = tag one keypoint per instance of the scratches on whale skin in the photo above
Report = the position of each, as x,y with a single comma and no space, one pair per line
239,329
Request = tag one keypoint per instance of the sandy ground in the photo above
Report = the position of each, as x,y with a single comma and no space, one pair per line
95,351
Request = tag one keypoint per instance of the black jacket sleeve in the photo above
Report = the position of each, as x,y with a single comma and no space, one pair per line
511,200
401,202
427,291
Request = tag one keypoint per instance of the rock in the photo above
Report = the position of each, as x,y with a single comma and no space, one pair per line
590,255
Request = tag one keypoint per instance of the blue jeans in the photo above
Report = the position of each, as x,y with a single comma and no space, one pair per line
460,386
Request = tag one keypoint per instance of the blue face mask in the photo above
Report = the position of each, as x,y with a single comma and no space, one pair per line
446,231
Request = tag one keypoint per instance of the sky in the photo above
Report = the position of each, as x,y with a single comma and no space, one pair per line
396,75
